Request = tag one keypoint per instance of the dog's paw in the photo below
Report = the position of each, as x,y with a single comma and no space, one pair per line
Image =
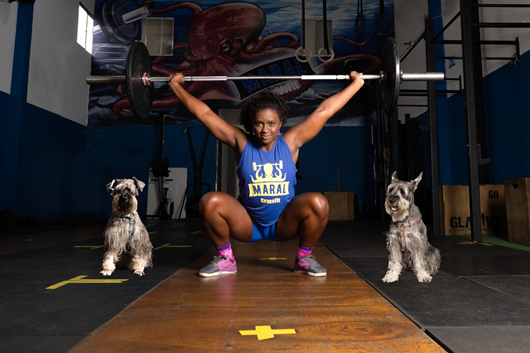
424,279
391,277
106,272
139,272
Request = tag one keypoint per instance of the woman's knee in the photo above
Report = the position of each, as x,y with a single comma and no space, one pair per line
211,202
320,204
317,204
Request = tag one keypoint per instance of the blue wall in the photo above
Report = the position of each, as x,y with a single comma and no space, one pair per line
508,120
348,149
63,167
4,113
508,125
508,128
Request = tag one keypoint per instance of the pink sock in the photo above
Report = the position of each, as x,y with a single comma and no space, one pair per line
303,251
226,251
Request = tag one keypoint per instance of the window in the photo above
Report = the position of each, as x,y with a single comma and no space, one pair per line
157,35
85,25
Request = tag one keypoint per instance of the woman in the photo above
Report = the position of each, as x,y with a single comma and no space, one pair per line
266,207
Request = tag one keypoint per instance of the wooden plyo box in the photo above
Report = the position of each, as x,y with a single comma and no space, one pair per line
455,215
341,207
518,210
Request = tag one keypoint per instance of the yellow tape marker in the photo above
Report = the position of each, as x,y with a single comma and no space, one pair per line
168,245
80,279
89,246
473,242
273,258
265,332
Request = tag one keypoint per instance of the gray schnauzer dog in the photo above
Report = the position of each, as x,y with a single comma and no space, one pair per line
127,243
407,237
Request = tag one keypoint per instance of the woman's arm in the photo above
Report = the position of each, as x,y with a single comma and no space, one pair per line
303,132
220,129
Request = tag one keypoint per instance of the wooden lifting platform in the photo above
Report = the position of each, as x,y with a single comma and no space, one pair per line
265,307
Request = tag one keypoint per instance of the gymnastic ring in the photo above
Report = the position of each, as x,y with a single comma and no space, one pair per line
386,156
384,18
301,60
332,54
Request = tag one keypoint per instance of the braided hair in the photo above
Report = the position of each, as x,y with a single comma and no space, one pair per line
262,101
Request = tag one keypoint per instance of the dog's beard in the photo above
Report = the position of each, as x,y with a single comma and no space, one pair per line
399,210
121,207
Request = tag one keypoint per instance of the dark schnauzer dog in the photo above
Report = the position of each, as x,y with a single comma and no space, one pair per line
127,243
407,237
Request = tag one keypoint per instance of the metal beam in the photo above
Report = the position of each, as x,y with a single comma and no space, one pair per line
471,117
433,130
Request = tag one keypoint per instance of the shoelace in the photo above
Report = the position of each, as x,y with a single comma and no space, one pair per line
219,258
308,258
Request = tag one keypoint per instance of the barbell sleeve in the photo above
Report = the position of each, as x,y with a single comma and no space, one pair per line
94,80
425,76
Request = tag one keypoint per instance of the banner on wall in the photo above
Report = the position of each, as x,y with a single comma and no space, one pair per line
256,38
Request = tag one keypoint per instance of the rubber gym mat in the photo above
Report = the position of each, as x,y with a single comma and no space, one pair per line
37,318
476,303
453,302
514,287
483,339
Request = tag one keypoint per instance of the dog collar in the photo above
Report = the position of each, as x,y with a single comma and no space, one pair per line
131,222
402,226
128,215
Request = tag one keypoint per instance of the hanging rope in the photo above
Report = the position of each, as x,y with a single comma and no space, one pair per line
299,50
359,20
326,41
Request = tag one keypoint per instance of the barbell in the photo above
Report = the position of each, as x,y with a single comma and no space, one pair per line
139,79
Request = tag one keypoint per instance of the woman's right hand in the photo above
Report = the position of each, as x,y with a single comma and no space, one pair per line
354,76
177,79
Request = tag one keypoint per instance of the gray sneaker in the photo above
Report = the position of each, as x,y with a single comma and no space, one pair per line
309,265
220,265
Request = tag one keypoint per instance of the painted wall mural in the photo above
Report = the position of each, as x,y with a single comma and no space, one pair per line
253,38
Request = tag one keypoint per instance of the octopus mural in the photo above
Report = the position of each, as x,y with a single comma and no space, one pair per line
230,39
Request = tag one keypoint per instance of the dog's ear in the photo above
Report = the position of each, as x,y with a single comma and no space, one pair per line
394,176
139,184
416,181
110,186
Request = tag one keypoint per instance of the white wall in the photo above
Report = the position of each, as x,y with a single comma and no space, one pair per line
409,24
8,22
58,65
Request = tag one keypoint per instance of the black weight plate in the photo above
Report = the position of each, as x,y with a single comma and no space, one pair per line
138,64
109,15
390,66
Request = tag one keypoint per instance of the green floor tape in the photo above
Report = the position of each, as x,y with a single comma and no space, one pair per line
500,240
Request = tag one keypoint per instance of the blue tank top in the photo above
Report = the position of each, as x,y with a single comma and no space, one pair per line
266,180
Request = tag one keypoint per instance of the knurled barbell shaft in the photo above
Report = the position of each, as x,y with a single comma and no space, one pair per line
123,79
426,76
